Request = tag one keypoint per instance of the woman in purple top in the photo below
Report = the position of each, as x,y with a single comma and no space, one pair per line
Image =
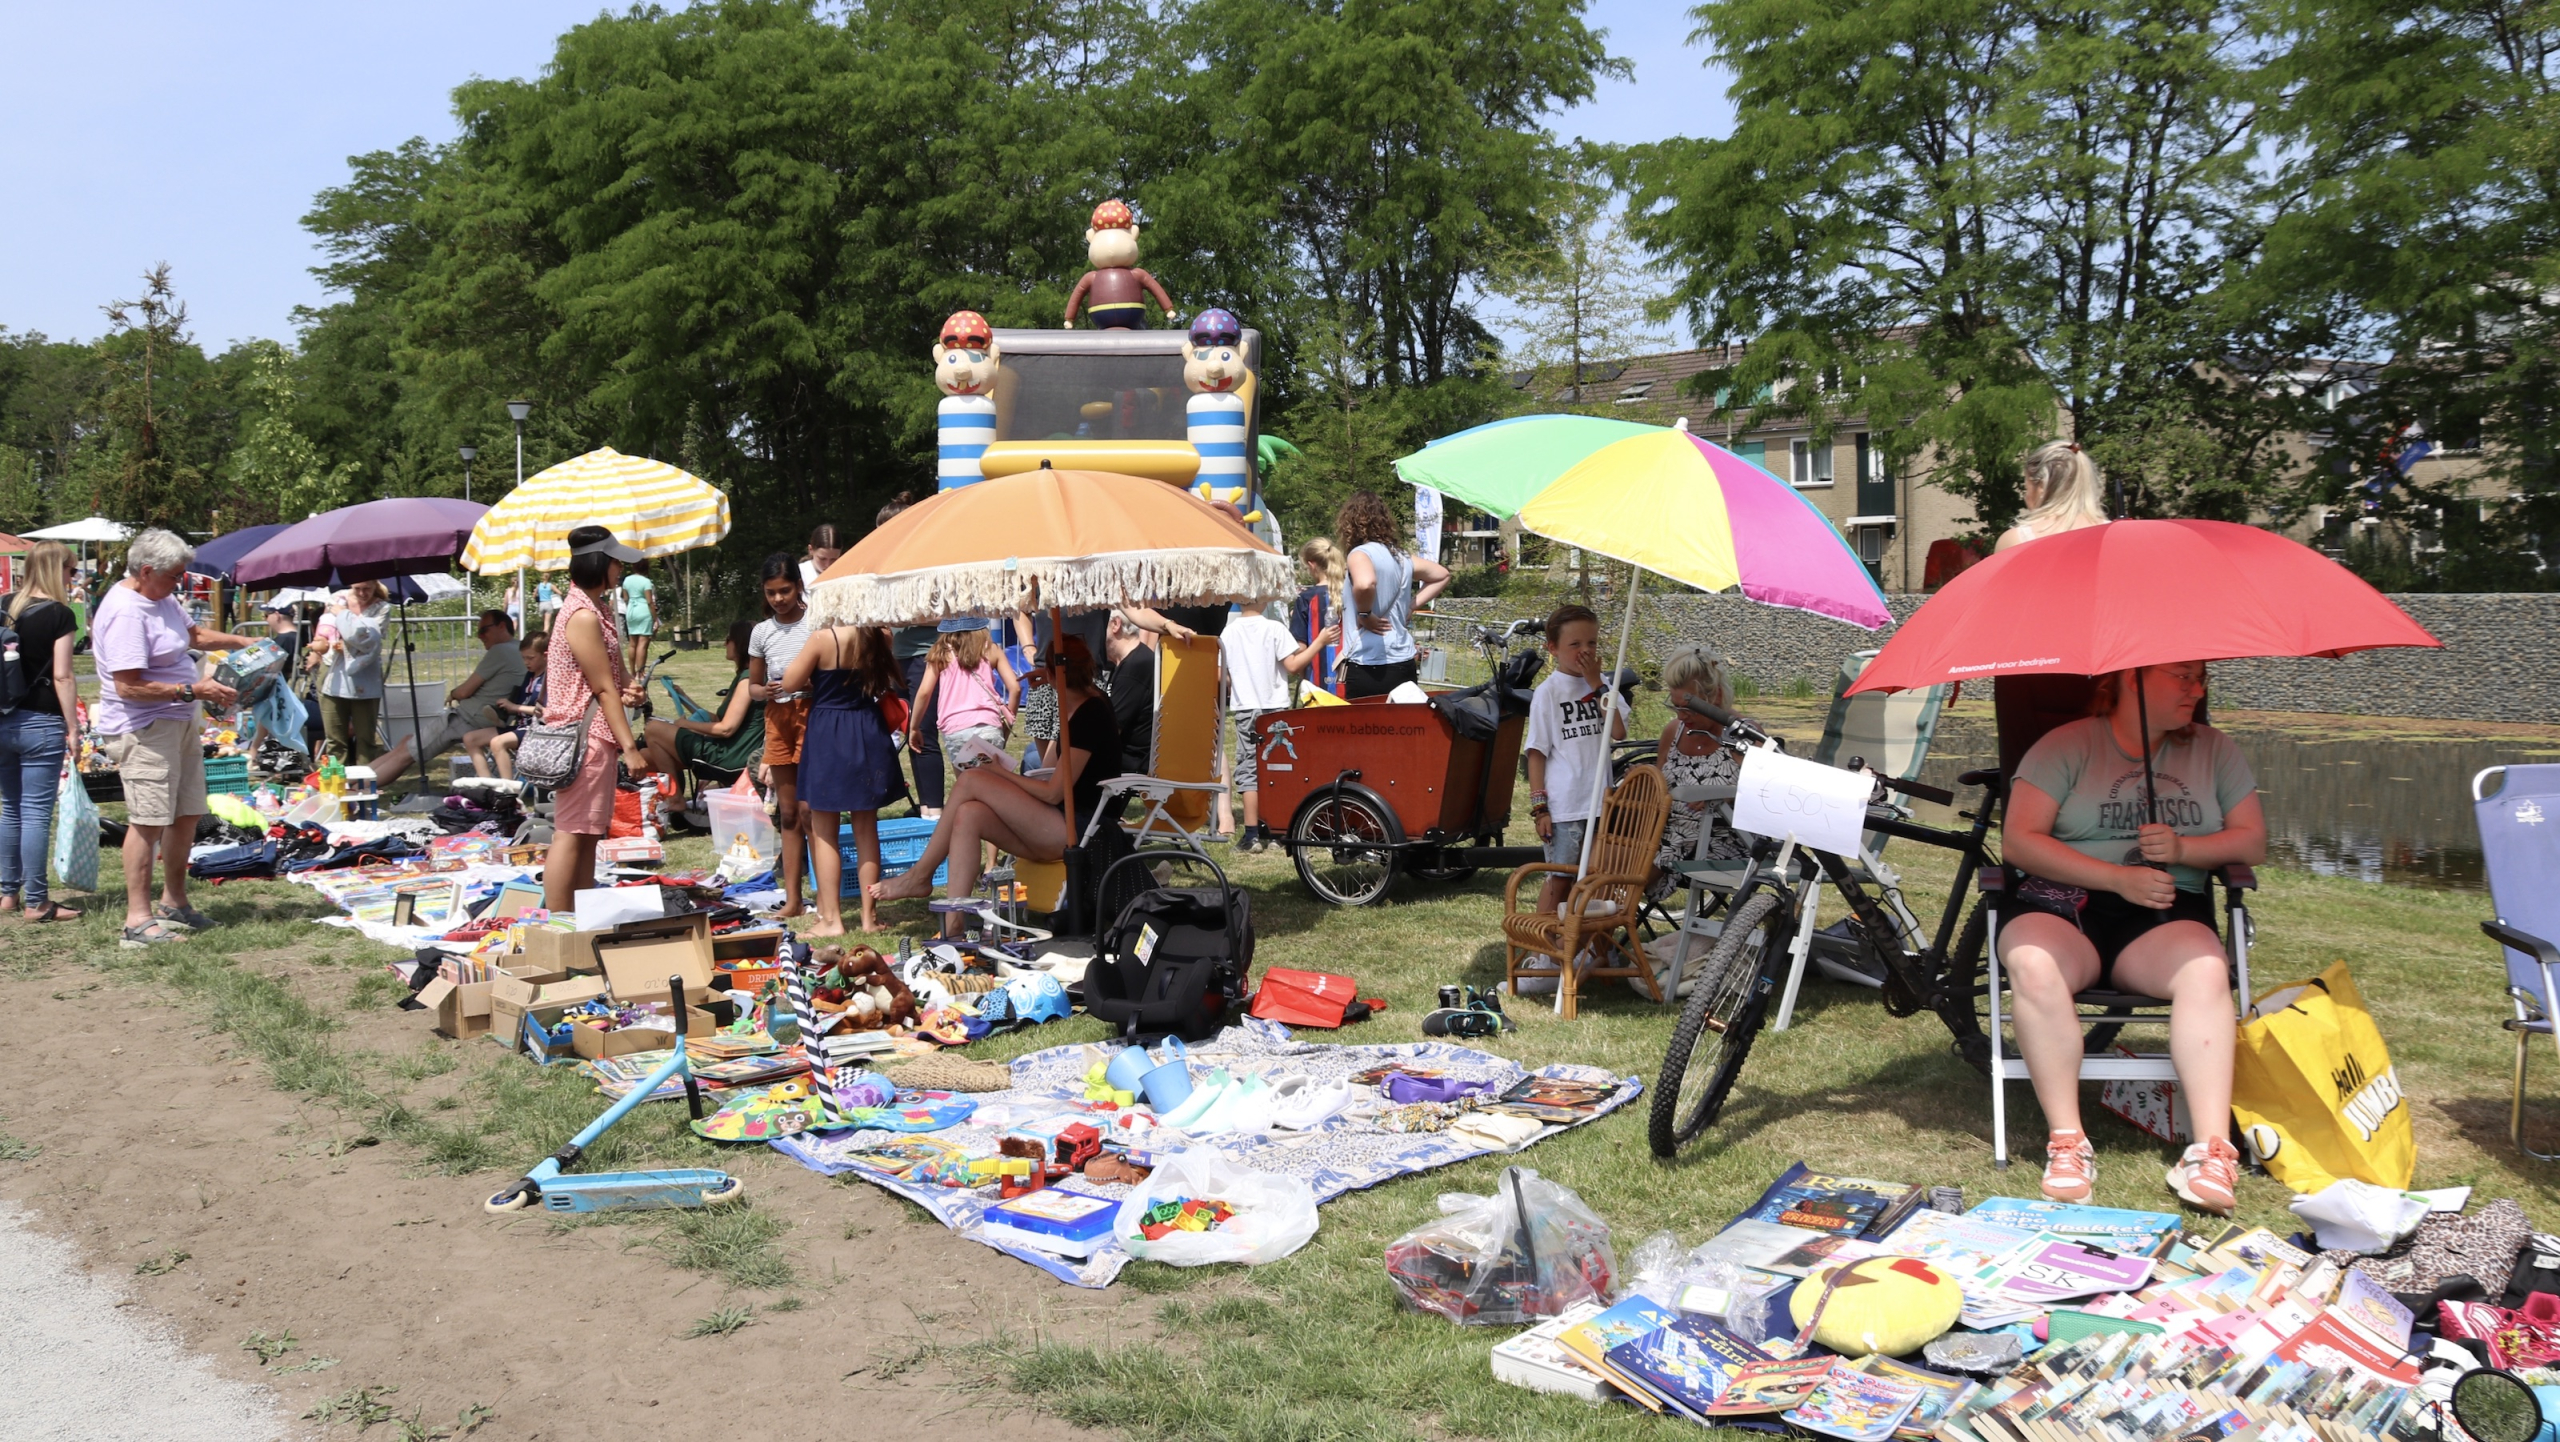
150,727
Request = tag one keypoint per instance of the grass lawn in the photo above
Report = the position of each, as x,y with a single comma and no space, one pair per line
1315,1346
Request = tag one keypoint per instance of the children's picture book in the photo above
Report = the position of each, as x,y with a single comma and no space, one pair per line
2052,1270
1772,1386
1687,1362
2255,1248
2364,1302
2115,1228
1855,1406
1843,1206
1939,1392
1960,1243
1536,1360
1590,1341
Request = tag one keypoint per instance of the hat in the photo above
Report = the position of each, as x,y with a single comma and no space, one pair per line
1216,327
967,330
606,545
1114,215
955,625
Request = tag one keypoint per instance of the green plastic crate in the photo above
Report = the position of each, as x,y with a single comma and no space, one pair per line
227,775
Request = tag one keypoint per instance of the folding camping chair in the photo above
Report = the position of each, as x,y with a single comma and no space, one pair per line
1182,760
2520,838
1890,732
2021,726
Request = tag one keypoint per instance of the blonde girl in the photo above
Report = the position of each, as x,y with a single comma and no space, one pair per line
2064,493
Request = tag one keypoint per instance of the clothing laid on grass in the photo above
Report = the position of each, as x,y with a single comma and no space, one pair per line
846,761
726,753
585,805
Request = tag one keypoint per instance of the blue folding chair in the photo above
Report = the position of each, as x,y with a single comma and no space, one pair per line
685,707
2519,820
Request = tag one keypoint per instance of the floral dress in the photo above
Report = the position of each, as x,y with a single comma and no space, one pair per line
1680,833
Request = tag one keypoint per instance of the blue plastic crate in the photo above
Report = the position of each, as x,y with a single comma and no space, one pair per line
902,844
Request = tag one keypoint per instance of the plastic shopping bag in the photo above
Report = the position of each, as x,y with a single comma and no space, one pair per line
75,835
2314,1092
1269,1215
1530,1250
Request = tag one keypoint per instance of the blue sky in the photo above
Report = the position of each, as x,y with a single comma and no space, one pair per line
138,131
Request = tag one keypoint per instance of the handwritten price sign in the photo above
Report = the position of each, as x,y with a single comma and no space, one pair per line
1821,806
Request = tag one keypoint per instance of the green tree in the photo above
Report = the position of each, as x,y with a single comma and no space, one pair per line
1582,300
275,471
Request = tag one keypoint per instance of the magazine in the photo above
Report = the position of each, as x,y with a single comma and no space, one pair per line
1855,1406
2363,1301
1687,1362
1754,1244
1959,1243
1772,1386
1534,1359
1939,1392
1843,1206
1822,1252
2050,1269
2114,1228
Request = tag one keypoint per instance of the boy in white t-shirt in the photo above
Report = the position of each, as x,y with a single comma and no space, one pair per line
1259,657
1567,757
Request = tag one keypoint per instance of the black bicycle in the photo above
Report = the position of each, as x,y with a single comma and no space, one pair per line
1939,972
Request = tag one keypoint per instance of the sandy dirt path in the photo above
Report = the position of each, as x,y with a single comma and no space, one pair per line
155,1140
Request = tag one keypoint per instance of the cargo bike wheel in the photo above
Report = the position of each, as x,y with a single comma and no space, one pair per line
1344,844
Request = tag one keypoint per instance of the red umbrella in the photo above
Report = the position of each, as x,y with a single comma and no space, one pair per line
2138,593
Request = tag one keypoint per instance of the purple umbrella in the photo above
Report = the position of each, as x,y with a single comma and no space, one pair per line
367,542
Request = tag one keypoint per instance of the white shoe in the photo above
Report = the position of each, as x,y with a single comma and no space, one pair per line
1311,1106
1243,1107
1201,1099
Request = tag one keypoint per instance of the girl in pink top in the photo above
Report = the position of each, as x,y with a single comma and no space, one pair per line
967,689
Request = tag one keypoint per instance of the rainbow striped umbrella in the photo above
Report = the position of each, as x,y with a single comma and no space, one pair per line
648,505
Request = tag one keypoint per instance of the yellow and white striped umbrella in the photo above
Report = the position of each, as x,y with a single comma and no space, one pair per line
648,505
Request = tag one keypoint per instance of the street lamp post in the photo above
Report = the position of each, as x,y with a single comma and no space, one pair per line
518,410
469,454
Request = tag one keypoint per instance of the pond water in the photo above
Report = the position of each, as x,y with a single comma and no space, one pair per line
2354,805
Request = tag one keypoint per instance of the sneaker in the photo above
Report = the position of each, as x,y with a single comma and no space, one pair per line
1202,1097
2207,1178
2070,1167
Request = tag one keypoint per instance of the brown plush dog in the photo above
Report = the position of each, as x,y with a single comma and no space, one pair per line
862,982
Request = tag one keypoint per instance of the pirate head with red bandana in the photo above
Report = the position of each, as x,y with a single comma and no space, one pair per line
965,360
1115,291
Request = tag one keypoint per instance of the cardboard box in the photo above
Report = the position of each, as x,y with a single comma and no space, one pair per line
571,953
638,957
462,1010
749,948
595,1043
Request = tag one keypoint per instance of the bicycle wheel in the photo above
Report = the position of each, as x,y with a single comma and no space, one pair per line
1961,984
1718,1025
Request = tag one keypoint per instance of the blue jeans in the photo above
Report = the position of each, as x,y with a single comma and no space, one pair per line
31,745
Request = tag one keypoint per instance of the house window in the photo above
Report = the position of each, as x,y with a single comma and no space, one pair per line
1634,393
1812,464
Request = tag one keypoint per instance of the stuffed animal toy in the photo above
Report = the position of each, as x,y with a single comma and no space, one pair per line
863,984
1891,1305
1115,286
1213,368
965,364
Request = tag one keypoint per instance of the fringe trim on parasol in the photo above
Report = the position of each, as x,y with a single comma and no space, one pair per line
1068,583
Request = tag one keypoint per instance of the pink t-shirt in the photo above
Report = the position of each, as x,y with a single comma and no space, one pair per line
131,632
965,698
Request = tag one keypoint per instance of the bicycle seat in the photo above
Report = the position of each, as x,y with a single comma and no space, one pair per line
1983,777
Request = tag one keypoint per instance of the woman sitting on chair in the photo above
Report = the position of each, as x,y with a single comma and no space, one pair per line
1020,814
732,740
2112,899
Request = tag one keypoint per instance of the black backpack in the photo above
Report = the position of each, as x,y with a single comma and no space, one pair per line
1177,959
13,672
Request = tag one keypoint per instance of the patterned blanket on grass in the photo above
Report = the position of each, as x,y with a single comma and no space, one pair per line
1343,1155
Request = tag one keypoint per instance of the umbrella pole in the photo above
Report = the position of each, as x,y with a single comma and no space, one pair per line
417,730
1608,713
2142,718
1066,794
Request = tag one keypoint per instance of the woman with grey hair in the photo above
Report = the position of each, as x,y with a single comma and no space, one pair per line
1691,753
149,725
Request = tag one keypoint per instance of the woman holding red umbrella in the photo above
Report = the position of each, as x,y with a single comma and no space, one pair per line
2118,858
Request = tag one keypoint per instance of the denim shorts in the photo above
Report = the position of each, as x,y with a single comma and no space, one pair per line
1565,847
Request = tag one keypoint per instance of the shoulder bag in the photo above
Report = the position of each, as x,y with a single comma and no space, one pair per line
550,755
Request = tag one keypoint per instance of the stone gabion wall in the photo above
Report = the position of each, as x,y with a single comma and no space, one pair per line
2500,660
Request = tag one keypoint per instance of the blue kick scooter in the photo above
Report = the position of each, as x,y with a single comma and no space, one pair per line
548,1187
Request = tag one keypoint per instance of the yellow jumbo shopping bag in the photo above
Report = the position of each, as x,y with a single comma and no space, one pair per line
2314,1092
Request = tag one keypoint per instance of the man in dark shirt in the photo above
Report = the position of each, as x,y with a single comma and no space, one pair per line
1133,693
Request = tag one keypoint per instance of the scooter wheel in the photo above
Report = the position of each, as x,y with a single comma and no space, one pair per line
506,1203
724,1195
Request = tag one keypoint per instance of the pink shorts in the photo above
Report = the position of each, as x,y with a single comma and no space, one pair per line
585,805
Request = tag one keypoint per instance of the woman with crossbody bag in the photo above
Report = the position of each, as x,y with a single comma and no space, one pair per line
586,684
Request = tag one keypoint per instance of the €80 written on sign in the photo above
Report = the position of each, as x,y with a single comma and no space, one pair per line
1820,806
